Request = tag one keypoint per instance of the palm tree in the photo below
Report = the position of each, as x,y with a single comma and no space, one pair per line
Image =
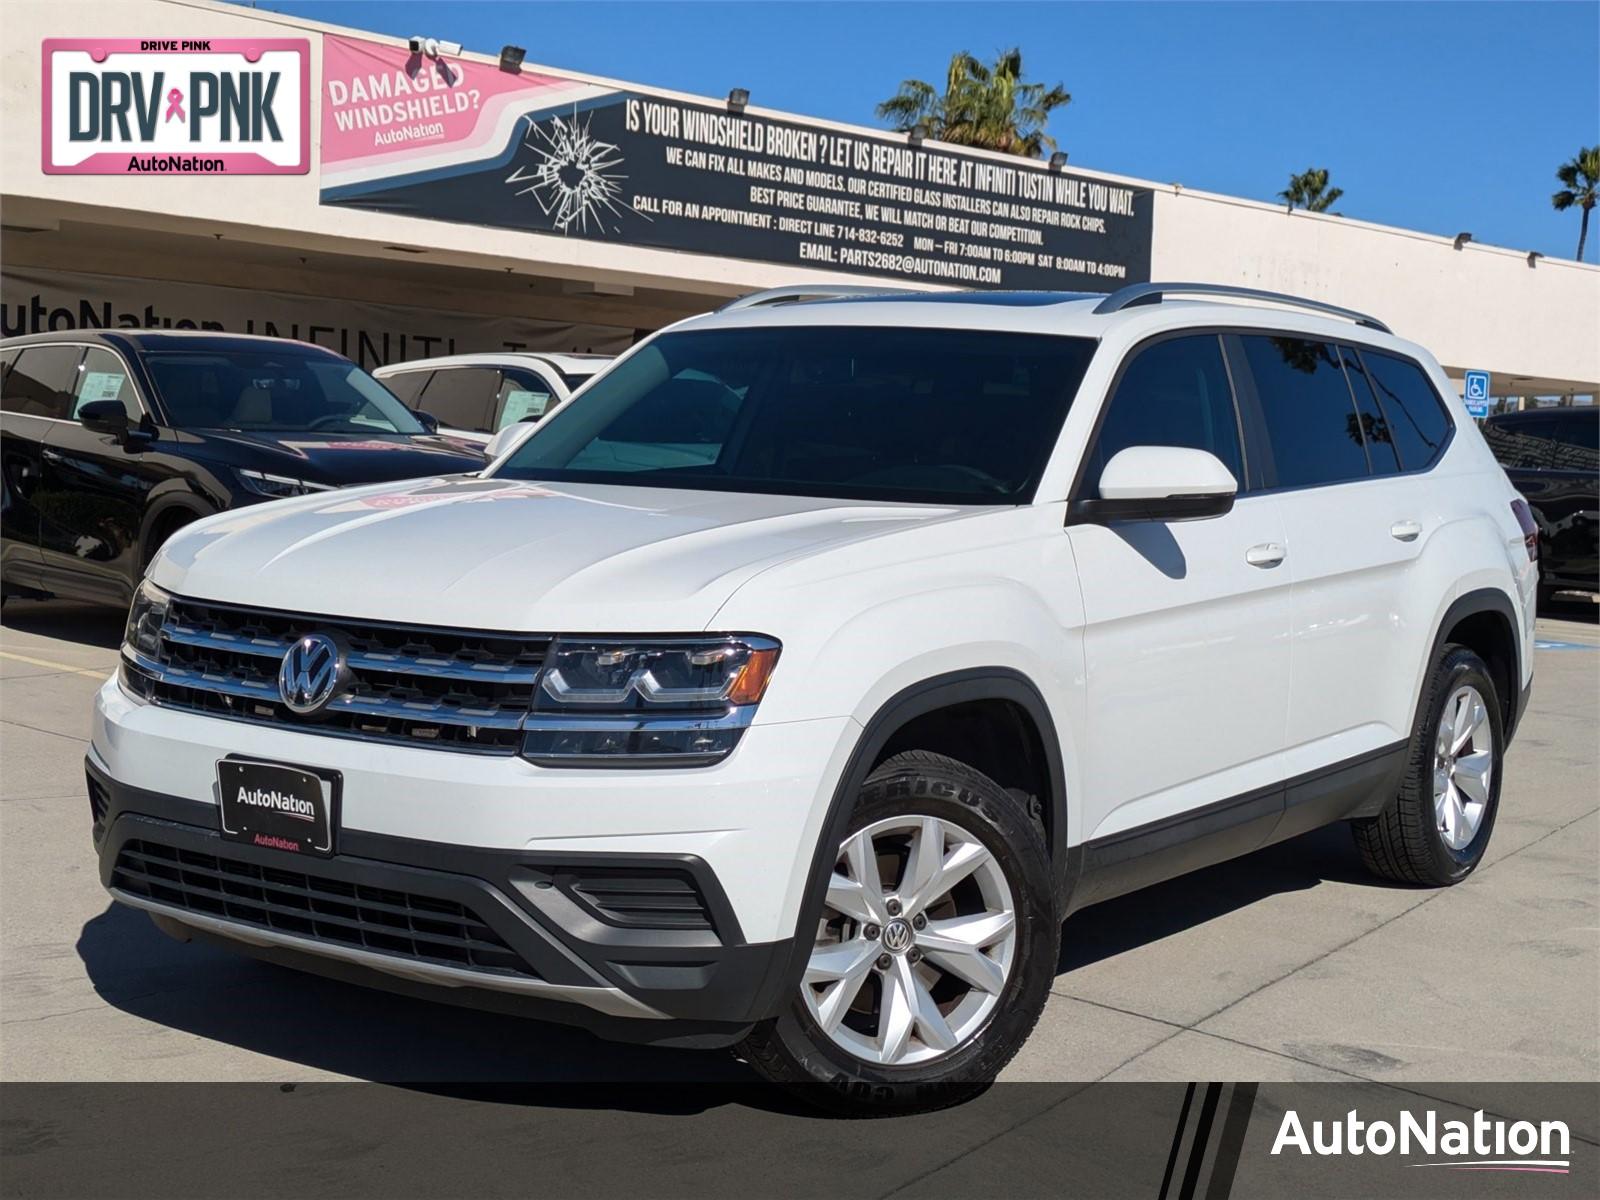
983,104
1309,190
1579,178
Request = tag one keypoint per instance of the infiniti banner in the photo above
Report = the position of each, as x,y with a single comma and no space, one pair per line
42,300
464,142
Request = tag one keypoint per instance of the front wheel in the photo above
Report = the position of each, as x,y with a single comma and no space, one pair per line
935,950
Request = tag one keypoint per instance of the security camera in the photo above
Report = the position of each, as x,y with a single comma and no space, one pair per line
433,47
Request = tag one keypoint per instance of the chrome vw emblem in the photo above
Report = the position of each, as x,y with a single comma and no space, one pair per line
897,937
312,674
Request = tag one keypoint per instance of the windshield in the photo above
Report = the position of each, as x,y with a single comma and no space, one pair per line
275,392
945,416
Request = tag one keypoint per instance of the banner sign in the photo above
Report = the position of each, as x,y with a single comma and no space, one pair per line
38,299
465,142
216,106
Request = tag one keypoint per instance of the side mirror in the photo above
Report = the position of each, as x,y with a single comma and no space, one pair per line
427,419
105,416
1159,483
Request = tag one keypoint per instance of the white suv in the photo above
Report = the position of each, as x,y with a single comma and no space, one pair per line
791,689
492,399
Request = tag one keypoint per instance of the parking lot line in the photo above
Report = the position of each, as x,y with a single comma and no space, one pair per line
55,666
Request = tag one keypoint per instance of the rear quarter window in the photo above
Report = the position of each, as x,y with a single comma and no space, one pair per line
1417,419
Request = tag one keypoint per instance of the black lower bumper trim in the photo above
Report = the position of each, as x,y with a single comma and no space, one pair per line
708,977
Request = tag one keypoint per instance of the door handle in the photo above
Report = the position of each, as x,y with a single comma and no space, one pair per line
1267,554
1405,531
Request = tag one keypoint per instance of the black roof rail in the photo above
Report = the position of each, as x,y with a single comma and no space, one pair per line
797,292
1153,293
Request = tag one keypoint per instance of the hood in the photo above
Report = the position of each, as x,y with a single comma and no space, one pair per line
503,554
338,459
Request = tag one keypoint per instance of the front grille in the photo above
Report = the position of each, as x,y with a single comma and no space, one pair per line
451,689
638,897
406,924
99,800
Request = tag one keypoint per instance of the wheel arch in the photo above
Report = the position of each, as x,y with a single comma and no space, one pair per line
1485,621
952,690
160,516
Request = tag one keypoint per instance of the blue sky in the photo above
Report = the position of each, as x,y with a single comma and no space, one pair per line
1434,116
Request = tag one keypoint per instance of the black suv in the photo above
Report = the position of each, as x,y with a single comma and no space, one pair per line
111,440
1552,456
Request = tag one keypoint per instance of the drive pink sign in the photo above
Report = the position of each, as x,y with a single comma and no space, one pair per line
165,106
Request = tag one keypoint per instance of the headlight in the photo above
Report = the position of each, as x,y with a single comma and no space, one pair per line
659,702
145,617
277,486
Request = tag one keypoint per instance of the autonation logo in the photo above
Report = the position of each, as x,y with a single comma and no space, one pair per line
284,802
1482,1144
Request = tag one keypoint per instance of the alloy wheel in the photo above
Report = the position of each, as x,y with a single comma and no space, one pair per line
1463,767
915,943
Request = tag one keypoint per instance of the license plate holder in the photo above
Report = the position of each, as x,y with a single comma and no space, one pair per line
278,806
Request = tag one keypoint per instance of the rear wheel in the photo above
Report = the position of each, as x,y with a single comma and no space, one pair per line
935,950
1436,829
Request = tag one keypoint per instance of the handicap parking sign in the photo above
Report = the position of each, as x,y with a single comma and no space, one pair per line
1477,395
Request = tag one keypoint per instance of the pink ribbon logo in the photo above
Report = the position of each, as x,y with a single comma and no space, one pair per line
175,105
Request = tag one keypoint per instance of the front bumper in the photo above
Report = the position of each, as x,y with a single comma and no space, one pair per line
516,850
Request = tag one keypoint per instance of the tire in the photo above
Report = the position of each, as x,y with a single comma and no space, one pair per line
1407,842
974,820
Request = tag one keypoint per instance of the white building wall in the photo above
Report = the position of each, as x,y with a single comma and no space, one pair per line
1477,307
1537,328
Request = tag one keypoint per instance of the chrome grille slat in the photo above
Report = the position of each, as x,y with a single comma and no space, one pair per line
442,689
435,668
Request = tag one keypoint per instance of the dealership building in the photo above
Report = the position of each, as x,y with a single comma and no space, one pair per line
402,205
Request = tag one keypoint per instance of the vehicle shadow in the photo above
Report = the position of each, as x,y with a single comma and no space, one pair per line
366,1034
1326,855
67,620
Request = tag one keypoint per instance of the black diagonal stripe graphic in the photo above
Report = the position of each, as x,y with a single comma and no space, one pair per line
1231,1143
1177,1141
1202,1138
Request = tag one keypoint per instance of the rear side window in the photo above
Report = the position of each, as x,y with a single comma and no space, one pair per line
1311,423
1417,418
1522,444
523,397
40,383
1578,438
407,385
461,397
1381,451
1173,393
103,377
